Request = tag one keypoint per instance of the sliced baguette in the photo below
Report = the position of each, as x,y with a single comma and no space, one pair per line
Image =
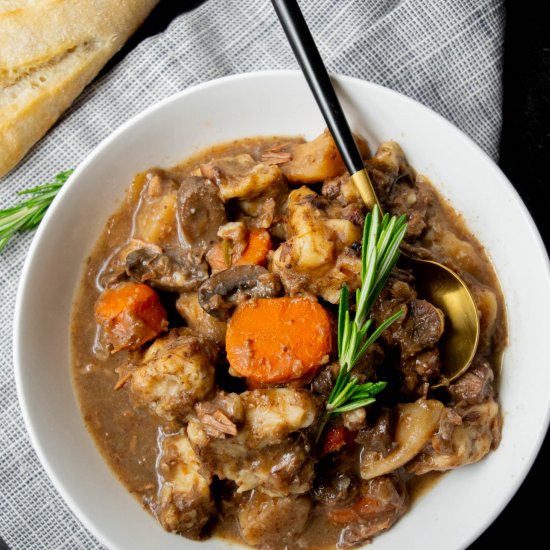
49,51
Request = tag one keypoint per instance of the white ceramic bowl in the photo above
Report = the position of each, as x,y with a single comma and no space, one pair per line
467,500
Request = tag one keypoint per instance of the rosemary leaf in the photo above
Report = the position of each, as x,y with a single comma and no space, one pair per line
28,213
382,236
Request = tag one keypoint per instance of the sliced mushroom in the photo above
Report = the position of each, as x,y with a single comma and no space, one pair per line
200,212
171,270
228,288
416,424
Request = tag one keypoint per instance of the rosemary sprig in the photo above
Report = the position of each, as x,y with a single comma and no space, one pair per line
380,252
28,213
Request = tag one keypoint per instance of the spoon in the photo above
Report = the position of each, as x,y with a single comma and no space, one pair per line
435,282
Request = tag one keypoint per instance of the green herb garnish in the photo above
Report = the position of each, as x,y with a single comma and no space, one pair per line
380,252
28,213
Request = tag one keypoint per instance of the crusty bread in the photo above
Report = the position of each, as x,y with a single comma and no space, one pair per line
49,51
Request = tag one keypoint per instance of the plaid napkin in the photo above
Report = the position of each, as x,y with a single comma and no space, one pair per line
446,54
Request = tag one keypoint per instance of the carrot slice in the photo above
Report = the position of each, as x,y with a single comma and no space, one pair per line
336,437
130,314
275,340
259,244
255,253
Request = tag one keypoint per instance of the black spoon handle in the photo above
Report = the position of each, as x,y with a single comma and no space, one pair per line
314,70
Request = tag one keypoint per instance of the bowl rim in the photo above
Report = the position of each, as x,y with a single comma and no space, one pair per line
18,327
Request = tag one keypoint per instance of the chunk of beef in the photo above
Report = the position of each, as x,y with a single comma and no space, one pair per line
381,502
220,416
175,372
185,504
342,190
399,189
475,385
420,329
336,483
414,199
443,438
418,370
386,168
324,379
378,438
421,326
257,191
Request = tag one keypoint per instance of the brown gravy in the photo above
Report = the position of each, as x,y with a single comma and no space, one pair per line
129,437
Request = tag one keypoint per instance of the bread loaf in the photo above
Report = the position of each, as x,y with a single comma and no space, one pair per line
49,51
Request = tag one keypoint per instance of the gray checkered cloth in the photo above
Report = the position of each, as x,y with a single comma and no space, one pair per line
447,54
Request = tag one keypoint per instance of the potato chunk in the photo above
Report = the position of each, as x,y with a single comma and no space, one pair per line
317,257
242,177
155,218
314,161
266,520
416,424
196,318
175,372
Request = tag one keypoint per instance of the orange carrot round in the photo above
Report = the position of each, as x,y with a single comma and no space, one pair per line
130,314
275,340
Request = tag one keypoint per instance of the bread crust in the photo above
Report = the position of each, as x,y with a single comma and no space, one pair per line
49,51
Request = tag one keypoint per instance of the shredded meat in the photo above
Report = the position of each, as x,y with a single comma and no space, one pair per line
267,453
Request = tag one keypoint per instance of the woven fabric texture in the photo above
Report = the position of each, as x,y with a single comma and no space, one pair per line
446,54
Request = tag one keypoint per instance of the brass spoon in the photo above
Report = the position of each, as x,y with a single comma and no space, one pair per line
435,282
